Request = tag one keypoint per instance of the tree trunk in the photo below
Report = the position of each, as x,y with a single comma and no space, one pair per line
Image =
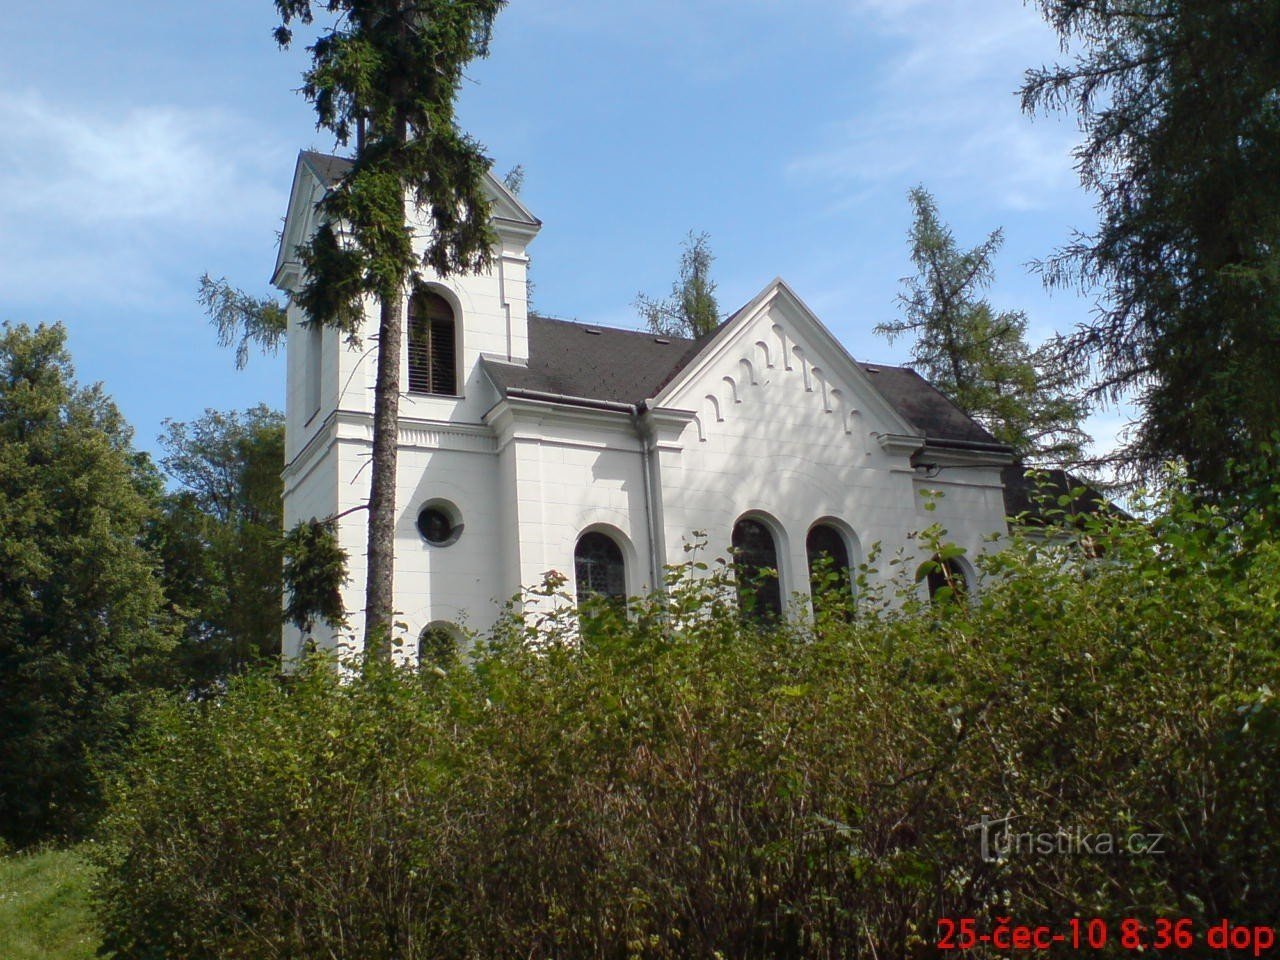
380,569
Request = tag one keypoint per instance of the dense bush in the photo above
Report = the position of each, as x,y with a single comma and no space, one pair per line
684,785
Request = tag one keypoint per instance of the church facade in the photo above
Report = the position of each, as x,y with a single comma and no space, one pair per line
529,444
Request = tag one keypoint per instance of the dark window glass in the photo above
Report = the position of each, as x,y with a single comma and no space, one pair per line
437,647
828,562
947,573
755,564
437,526
433,350
598,567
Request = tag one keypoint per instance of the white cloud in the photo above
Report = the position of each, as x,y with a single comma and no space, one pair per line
945,111
143,164
115,206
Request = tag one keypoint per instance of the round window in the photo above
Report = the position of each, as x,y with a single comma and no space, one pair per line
439,523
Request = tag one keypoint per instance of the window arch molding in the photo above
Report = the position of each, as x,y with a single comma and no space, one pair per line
433,362
630,585
739,533
848,538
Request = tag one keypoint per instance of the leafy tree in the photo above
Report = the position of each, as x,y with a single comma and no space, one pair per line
1180,112
219,539
979,356
385,73
82,628
691,309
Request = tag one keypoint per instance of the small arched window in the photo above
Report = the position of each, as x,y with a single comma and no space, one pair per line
438,646
433,345
829,573
947,581
755,567
598,567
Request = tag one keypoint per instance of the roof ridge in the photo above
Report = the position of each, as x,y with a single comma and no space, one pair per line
600,326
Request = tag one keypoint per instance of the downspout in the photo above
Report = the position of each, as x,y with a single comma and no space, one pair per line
650,513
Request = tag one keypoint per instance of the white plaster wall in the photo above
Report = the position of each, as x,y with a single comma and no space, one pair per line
446,452
572,476
492,310
310,492
782,438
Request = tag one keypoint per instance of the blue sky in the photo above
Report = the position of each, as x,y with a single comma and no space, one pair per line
147,143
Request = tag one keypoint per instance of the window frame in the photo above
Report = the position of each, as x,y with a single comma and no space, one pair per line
622,572
418,357
774,610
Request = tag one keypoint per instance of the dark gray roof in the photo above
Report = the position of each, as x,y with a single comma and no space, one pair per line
924,407
1029,497
578,361
328,168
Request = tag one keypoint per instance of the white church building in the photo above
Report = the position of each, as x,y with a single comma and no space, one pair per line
529,444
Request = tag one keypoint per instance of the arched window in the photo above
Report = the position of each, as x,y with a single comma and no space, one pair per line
949,576
598,568
433,345
437,646
755,567
829,573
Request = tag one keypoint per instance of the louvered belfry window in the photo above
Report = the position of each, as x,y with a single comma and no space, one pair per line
433,345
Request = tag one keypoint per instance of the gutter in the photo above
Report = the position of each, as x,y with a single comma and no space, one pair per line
520,393
983,446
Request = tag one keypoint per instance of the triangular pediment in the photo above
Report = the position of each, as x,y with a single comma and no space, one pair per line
315,173
777,342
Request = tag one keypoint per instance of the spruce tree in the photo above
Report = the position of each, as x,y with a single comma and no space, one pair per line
1179,103
691,309
979,356
384,79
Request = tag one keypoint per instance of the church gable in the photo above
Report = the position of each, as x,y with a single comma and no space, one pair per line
774,363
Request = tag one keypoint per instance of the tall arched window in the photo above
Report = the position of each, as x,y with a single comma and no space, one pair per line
755,567
598,567
947,581
829,573
433,345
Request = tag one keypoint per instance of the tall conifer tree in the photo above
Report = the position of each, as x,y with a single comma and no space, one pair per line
977,355
691,310
384,79
1179,103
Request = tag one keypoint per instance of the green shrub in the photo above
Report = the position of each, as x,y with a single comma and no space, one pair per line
682,784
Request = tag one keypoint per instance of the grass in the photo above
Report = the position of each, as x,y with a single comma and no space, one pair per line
44,906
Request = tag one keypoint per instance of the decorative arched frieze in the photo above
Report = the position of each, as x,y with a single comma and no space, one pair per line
715,408
798,354
783,346
748,372
825,387
853,421
731,391
766,358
